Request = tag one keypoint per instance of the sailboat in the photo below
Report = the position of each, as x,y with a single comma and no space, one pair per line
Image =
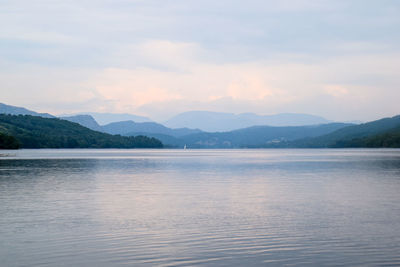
184,147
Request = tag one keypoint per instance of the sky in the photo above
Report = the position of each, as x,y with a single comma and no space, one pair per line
339,59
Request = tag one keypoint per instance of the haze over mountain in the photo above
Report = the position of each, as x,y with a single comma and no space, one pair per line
201,120
380,133
13,110
219,121
211,121
195,138
130,127
84,120
106,118
248,137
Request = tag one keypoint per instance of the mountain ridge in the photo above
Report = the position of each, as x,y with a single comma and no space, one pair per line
38,132
209,121
14,110
351,136
107,118
384,132
84,120
125,127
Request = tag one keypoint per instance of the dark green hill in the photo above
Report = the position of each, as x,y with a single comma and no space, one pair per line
8,142
390,139
379,133
167,140
38,132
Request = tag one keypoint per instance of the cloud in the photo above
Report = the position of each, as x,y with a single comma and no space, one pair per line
260,86
336,59
135,87
336,90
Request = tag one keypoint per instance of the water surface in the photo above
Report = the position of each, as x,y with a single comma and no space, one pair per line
199,207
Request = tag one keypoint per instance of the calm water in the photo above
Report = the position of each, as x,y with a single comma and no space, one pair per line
205,207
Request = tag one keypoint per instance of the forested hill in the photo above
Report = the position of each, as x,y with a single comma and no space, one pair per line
13,110
8,142
38,132
380,133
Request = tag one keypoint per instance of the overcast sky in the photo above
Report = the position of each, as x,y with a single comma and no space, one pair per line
338,59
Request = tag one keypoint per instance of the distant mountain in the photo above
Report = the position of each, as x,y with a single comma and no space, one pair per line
257,136
84,120
13,110
219,121
106,118
379,133
130,127
38,132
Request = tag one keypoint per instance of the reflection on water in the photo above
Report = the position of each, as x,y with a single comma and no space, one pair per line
210,207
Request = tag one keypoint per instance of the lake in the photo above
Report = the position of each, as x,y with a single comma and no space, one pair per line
200,207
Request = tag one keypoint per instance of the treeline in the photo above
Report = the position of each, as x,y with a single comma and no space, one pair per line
37,132
8,142
390,139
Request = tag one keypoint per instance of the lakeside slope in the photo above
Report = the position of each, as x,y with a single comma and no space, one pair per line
38,132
